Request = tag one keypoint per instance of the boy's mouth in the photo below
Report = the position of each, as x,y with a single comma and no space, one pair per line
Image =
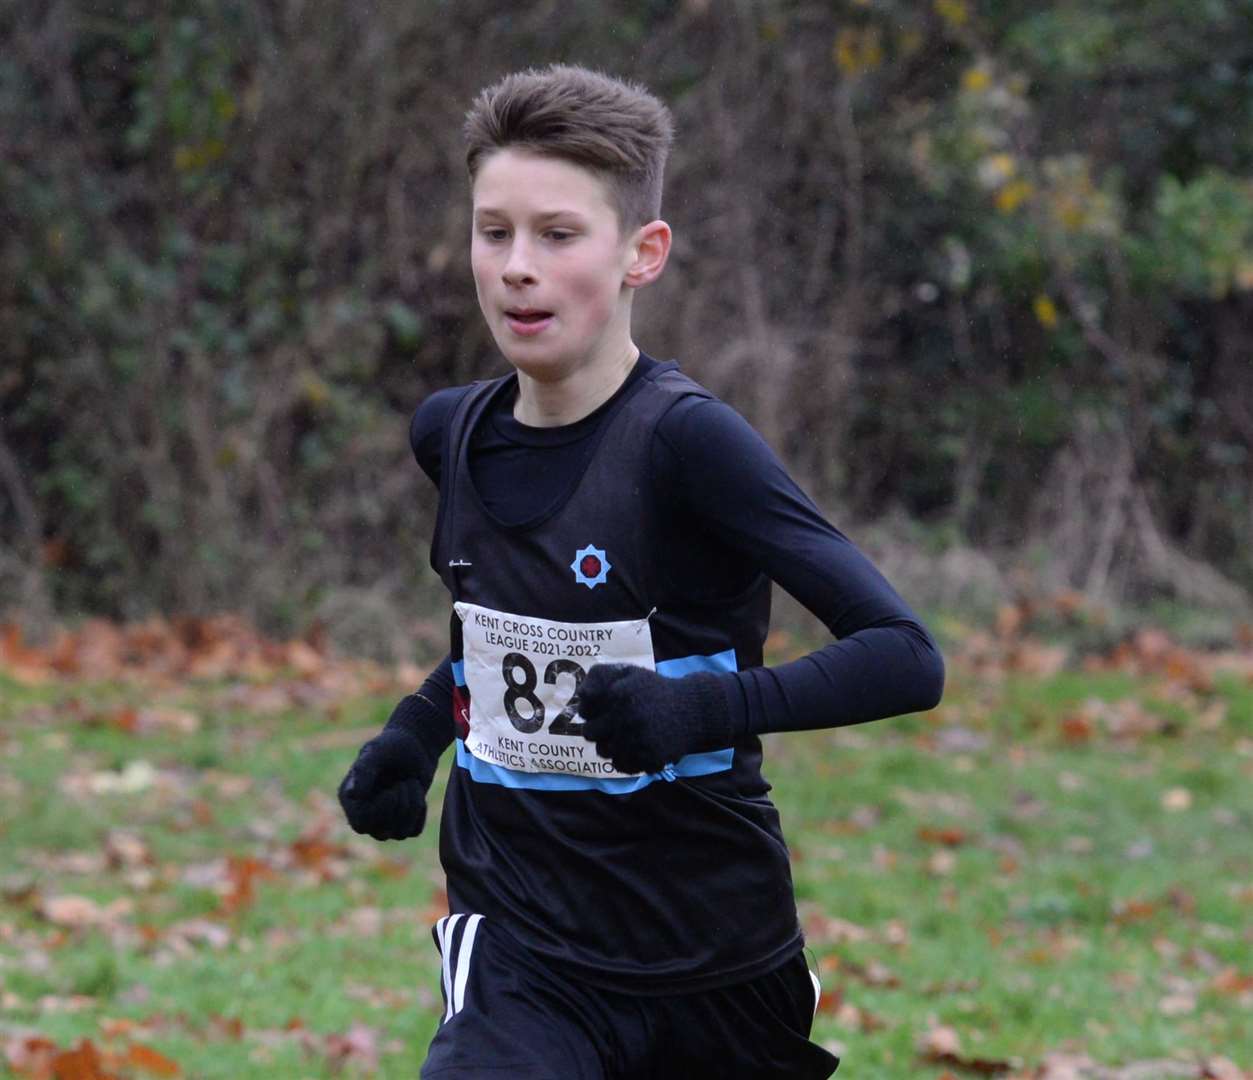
527,321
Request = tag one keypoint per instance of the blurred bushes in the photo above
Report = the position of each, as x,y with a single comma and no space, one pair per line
990,265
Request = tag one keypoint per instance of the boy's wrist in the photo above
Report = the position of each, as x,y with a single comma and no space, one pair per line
710,720
421,720
733,702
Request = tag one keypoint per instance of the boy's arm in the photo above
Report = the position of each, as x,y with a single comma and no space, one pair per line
719,471
426,440
437,689
384,791
426,430
716,475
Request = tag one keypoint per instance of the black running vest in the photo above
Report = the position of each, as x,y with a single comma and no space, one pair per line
649,884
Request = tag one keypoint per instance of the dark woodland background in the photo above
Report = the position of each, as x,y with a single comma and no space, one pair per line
981,271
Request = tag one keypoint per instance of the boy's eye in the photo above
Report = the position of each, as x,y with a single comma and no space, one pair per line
496,233
559,234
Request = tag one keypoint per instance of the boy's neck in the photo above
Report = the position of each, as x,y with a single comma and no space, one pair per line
580,393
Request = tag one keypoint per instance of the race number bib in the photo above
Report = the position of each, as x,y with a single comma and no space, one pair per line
523,675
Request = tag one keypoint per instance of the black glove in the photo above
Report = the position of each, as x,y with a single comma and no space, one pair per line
384,793
642,721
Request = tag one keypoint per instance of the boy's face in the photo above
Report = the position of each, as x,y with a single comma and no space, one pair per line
550,264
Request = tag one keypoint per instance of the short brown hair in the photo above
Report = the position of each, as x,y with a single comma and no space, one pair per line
616,129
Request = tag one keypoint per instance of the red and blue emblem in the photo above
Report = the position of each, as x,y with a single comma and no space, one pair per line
591,566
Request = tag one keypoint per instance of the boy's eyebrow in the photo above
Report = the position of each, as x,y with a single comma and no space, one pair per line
546,215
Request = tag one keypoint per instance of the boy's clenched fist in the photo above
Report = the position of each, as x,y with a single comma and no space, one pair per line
384,792
641,721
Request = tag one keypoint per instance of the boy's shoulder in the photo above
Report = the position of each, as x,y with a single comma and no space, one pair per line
427,426
433,411
701,427
431,418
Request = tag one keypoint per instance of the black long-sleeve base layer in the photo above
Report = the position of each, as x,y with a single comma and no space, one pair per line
733,512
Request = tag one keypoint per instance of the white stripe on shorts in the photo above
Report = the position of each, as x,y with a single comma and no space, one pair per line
463,962
817,990
443,930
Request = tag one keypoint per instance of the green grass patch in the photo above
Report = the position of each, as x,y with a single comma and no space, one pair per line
982,867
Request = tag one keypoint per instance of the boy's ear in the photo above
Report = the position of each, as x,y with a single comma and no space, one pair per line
650,247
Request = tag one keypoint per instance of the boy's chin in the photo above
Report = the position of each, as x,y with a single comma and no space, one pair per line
541,365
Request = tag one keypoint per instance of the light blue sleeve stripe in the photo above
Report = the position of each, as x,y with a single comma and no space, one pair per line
686,665
459,672
484,772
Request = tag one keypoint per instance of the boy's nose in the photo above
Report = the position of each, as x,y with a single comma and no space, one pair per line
517,269
514,277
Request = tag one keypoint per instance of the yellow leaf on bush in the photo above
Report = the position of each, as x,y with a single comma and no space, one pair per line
1045,311
976,79
953,12
1013,195
996,170
857,51
910,42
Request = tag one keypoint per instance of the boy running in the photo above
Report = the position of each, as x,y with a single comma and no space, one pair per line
619,889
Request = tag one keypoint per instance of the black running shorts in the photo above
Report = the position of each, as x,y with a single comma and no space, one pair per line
507,1013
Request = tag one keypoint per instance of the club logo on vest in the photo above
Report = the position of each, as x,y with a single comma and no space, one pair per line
590,566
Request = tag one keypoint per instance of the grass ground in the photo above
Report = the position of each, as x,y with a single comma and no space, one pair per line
1013,876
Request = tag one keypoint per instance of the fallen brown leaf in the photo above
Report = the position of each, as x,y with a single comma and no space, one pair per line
82,1063
1231,981
243,871
941,1045
1177,798
949,836
830,1001
30,1056
78,912
1077,727
1221,1068
126,849
1179,1004
1129,911
874,973
149,1060
823,929
358,1047
941,863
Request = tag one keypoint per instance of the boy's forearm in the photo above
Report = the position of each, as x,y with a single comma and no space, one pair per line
870,675
427,713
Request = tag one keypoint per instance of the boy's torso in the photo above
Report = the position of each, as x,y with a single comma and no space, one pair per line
654,883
